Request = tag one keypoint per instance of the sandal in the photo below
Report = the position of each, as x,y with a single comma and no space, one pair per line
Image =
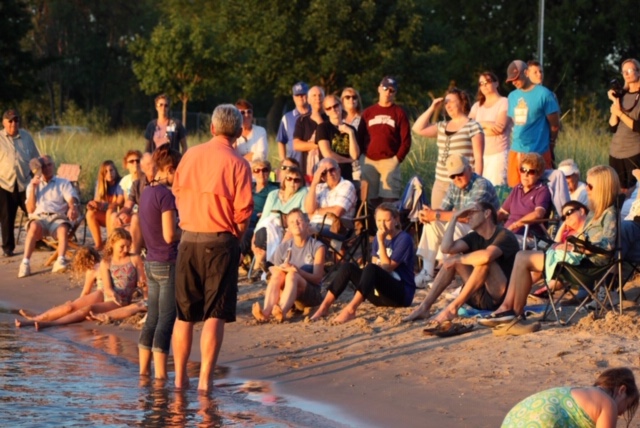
454,329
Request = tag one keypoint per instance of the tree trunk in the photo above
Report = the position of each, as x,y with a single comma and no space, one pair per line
184,100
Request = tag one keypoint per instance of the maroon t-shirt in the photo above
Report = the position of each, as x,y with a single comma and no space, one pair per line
389,133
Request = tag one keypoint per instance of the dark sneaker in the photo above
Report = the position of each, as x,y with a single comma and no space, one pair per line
497,318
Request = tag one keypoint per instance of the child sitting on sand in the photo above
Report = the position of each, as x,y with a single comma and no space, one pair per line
116,277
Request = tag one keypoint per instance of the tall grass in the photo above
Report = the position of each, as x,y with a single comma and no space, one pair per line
586,141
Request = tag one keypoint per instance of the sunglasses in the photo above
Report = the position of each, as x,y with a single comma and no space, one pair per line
350,97
133,161
526,171
14,120
288,168
259,170
330,171
454,176
629,71
294,179
246,112
481,84
389,89
336,105
589,186
568,213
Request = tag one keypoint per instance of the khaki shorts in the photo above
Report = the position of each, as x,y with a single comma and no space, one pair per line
49,223
383,177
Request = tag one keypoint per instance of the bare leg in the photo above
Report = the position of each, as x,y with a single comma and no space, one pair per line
181,341
68,307
272,294
62,233
323,310
144,359
123,312
440,283
34,234
294,285
93,221
210,344
77,316
349,311
520,282
160,365
136,235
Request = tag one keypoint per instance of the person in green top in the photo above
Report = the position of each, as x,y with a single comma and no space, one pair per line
614,393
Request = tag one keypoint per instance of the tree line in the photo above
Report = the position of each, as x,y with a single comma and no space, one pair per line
103,62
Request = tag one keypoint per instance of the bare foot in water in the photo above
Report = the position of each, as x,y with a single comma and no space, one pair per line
277,313
18,323
345,315
256,311
37,326
26,314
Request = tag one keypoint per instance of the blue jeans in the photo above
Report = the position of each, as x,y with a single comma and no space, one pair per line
161,314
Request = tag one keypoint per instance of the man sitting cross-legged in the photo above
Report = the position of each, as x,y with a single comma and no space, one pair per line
483,258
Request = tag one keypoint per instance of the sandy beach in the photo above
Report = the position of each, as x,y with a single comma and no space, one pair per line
376,370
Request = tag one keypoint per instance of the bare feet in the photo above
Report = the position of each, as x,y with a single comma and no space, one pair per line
447,314
183,386
347,314
26,314
103,318
320,313
18,323
37,326
277,313
256,311
419,313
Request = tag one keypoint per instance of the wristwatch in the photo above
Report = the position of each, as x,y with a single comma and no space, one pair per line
437,215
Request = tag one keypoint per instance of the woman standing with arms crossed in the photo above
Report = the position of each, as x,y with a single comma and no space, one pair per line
459,135
352,105
490,111
159,225
165,130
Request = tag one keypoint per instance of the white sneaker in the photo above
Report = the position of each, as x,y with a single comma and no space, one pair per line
424,279
60,266
24,270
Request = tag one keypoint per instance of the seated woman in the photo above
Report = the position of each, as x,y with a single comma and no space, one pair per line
262,187
296,274
600,228
131,163
529,200
252,144
108,198
387,281
336,139
269,230
613,394
117,280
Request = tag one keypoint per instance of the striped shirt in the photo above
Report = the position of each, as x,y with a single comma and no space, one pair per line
458,142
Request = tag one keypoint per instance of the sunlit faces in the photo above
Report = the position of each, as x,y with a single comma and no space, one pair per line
296,223
332,106
528,175
630,72
110,173
487,85
386,93
535,74
133,163
316,97
121,248
385,221
452,105
162,105
11,125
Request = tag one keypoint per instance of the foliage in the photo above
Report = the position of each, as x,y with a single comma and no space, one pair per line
96,120
16,63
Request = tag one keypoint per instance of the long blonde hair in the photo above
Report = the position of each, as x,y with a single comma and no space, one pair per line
103,186
605,188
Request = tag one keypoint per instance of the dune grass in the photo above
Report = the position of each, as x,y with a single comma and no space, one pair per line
587,142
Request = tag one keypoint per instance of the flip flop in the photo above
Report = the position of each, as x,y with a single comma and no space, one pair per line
454,329
433,327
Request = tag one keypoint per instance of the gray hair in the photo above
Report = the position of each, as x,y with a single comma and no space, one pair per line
333,162
227,121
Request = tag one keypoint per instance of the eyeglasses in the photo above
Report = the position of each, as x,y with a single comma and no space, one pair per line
133,161
526,171
246,112
330,171
589,186
454,176
350,97
389,89
259,170
568,213
481,84
336,105
629,71
14,120
294,179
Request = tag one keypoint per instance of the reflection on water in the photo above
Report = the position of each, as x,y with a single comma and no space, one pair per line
75,377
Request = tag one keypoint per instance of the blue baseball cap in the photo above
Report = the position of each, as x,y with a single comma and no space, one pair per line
300,88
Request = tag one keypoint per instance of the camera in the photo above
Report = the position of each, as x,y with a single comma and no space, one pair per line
617,87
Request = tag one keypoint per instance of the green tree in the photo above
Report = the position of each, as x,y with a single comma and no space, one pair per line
16,63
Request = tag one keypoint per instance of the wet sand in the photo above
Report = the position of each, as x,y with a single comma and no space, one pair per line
378,371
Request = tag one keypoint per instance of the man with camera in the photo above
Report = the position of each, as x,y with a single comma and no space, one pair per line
536,120
16,149
624,153
52,206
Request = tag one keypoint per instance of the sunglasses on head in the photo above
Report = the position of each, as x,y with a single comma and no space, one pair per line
133,161
259,170
568,213
528,171
294,179
329,108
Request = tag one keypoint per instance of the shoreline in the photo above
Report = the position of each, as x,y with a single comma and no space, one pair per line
378,371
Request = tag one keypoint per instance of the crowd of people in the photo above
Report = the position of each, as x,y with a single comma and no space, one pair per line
200,225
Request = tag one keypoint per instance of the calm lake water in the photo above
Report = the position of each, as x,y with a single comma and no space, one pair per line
74,377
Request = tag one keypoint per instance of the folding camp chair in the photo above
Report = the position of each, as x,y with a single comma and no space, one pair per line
596,280
412,201
70,172
351,242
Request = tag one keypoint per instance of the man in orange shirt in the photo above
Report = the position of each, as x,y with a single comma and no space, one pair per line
212,186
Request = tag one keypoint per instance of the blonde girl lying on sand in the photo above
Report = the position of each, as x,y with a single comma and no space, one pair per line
117,277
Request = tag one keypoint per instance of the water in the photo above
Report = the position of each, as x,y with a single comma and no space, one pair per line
75,377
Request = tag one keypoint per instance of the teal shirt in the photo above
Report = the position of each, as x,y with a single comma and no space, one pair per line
553,408
274,203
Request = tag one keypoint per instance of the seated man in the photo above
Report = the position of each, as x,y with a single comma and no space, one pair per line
483,258
52,205
529,200
577,189
330,196
466,188
127,217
